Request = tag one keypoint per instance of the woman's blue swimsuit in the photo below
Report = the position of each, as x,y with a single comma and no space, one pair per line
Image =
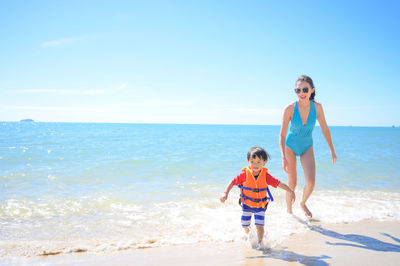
299,138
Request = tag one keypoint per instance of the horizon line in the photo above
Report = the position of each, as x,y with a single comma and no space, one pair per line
171,123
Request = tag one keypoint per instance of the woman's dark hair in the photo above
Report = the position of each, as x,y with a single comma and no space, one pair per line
259,152
309,81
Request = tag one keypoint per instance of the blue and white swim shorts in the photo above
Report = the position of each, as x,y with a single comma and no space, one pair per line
259,215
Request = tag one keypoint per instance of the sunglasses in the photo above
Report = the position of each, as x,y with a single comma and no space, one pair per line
305,90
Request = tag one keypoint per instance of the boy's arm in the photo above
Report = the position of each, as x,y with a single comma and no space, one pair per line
224,196
288,189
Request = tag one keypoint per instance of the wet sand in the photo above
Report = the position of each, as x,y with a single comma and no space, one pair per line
362,243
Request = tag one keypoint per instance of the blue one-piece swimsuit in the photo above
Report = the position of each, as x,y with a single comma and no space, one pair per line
299,138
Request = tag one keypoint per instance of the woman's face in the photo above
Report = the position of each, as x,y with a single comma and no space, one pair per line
303,90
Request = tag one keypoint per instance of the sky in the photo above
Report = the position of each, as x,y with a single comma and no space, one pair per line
198,62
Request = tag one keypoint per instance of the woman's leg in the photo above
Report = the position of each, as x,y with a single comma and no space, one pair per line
292,175
308,163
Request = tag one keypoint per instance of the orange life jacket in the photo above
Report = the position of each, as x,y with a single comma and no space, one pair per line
254,193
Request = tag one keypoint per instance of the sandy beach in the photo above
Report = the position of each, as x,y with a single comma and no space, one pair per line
364,243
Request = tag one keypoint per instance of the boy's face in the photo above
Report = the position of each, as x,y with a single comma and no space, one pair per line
256,164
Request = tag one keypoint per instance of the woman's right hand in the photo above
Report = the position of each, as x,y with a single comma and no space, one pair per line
285,164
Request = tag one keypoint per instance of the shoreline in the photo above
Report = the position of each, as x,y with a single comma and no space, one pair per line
368,242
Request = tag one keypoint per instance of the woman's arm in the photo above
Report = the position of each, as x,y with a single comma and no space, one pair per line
287,113
325,130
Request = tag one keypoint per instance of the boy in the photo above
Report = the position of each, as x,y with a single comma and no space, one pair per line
253,182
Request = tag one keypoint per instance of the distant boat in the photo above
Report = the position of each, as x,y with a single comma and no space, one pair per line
27,120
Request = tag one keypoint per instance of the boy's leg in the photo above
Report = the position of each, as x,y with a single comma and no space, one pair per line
259,218
246,219
260,233
246,229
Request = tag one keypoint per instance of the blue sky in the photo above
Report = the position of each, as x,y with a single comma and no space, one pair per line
213,62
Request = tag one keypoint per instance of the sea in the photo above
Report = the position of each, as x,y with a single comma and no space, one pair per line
103,188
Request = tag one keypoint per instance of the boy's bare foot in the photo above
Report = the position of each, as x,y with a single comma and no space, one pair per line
307,212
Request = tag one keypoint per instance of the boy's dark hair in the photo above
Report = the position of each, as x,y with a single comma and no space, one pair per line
259,152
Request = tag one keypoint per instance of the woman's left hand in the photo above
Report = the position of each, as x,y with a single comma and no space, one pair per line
334,157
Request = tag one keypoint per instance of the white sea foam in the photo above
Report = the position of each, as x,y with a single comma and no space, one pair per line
110,224
351,206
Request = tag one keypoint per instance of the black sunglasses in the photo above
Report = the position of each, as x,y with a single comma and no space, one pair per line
298,90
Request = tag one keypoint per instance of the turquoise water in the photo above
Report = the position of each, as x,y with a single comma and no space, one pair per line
117,182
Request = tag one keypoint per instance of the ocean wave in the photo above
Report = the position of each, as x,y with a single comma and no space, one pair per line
109,224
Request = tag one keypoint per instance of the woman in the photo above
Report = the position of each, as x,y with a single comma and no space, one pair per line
302,115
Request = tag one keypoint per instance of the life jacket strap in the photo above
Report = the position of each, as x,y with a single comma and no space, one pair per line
253,189
253,199
270,195
271,198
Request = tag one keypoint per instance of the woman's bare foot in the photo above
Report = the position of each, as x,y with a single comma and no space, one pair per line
307,212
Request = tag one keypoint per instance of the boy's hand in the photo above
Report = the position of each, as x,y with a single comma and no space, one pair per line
223,197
